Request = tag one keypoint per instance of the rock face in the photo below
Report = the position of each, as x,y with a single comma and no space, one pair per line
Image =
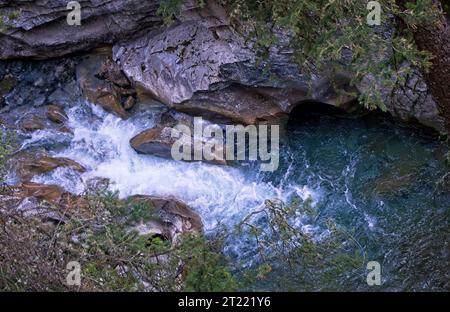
41,30
414,103
204,66
37,83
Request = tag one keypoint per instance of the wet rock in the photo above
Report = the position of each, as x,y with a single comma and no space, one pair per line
112,72
49,140
43,192
40,83
111,103
98,91
129,103
32,123
154,141
158,141
56,114
27,165
65,129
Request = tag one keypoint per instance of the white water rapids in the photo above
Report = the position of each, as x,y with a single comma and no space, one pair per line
220,194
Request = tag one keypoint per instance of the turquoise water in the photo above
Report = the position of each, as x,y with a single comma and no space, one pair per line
381,181
372,176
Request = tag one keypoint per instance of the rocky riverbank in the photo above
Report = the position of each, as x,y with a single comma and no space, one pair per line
122,60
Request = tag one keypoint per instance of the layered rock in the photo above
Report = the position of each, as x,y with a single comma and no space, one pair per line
202,65
414,103
40,30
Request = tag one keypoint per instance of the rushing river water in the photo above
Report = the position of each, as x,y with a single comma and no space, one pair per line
368,174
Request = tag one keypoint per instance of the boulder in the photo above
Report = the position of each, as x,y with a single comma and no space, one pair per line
50,203
158,141
43,192
56,114
27,165
155,141
176,217
32,123
205,65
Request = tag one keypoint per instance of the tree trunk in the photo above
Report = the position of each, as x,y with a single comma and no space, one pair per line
435,38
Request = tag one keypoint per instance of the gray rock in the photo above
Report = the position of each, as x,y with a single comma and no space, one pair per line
202,65
41,30
412,102
38,83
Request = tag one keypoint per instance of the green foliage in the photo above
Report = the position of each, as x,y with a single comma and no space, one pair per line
446,8
113,256
292,258
6,147
169,8
206,266
6,18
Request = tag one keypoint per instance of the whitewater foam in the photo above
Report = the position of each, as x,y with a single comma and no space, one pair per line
219,194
